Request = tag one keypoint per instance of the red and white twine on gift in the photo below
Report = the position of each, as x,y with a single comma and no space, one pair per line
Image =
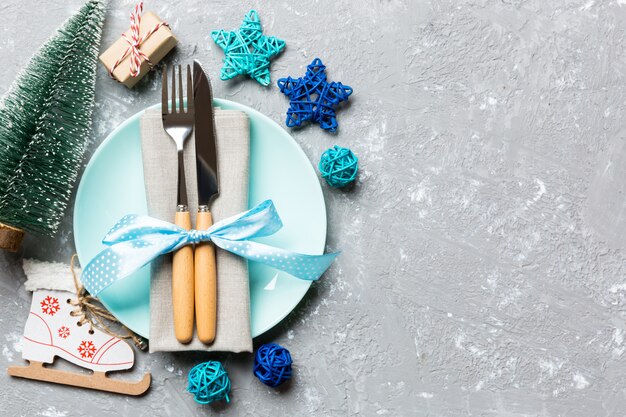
135,41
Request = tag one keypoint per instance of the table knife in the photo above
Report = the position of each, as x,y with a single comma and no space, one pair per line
208,189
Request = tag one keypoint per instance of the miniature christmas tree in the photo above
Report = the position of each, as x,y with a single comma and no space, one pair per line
45,121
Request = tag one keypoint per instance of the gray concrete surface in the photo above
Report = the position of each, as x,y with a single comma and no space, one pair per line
483,271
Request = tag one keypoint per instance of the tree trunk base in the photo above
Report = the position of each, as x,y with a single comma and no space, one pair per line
10,237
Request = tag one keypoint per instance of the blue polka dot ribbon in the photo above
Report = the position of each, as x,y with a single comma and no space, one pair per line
136,240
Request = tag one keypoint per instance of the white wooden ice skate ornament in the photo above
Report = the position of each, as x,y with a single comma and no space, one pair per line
53,330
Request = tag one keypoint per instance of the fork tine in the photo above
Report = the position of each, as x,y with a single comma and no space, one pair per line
164,109
174,89
189,90
181,105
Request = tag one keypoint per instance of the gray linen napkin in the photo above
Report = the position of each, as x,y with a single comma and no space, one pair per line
160,168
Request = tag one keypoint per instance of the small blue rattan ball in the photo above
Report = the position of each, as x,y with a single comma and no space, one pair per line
209,382
338,166
272,364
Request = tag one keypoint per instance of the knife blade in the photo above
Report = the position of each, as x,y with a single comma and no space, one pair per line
206,152
208,189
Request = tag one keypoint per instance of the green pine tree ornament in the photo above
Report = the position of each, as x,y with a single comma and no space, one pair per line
45,123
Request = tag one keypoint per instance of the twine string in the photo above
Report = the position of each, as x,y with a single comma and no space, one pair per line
89,311
135,41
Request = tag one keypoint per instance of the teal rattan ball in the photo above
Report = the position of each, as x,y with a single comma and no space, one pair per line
209,382
339,166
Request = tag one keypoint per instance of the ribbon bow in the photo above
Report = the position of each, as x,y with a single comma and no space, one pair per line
134,42
136,240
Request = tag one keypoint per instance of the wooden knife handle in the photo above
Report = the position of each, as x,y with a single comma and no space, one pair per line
182,285
206,283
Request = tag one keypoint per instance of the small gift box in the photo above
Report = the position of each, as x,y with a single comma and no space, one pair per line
147,41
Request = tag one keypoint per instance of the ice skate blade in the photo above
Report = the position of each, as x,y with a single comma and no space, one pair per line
98,380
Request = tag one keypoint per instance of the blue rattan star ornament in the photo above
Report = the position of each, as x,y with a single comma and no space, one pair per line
247,51
313,97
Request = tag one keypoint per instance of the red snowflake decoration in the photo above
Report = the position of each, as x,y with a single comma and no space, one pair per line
64,332
87,349
50,305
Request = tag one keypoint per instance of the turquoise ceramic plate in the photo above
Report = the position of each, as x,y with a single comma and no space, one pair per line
112,186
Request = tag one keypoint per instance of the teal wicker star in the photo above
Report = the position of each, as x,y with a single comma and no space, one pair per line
248,51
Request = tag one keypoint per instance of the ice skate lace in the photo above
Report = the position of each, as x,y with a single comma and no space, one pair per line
90,311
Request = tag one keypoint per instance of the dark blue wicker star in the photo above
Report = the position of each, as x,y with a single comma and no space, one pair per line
313,98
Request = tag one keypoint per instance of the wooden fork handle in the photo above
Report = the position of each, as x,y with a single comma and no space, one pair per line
183,285
206,283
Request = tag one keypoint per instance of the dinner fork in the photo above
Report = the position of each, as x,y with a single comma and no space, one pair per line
179,125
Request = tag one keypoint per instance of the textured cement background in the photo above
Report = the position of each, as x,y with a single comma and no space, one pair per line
483,271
